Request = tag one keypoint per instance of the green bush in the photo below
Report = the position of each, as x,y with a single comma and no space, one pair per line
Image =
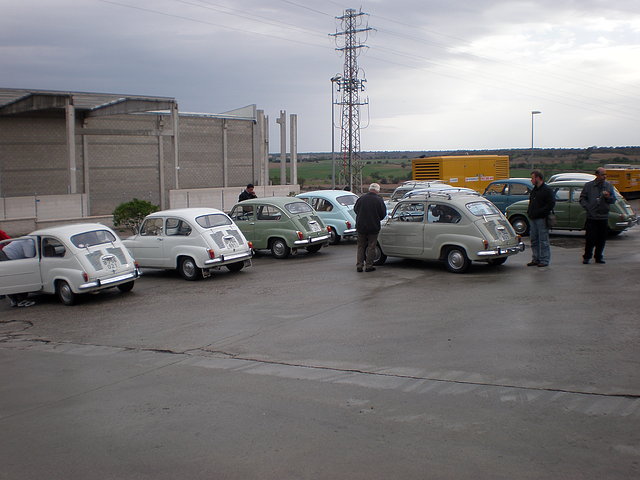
130,214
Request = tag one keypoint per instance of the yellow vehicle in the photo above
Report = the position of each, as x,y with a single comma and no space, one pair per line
625,177
470,171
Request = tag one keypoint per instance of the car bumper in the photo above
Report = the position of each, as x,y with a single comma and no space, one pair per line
501,251
308,241
625,225
350,232
109,282
225,259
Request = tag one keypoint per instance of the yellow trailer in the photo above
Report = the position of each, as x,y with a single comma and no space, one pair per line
626,178
470,171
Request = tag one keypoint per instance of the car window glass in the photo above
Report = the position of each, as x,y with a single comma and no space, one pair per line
518,189
177,227
495,189
95,237
17,249
482,208
443,214
213,220
409,212
152,227
323,205
562,194
347,200
242,213
269,212
52,247
298,207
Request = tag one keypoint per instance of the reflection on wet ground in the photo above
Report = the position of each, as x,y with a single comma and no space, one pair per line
567,241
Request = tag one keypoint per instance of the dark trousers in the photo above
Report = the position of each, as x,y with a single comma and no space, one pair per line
366,249
595,237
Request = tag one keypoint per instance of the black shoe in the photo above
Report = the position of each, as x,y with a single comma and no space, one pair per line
532,264
358,269
543,264
586,261
369,269
600,261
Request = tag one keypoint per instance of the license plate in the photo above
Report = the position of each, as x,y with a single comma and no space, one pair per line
314,226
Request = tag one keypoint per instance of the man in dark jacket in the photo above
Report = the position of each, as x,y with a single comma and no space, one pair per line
596,197
247,193
370,210
541,203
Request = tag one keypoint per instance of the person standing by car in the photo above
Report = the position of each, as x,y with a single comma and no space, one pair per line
541,203
370,210
247,193
21,248
596,197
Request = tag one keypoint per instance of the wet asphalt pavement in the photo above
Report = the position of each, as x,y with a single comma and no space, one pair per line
304,368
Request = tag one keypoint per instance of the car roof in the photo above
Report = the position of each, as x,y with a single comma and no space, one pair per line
568,183
513,180
186,212
278,201
70,229
446,196
572,176
331,194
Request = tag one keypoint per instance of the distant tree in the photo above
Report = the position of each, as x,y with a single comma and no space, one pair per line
131,214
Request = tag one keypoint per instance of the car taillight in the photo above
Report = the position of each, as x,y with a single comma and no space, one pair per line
250,245
300,235
136,264
85,276
486,244
348,224
212,254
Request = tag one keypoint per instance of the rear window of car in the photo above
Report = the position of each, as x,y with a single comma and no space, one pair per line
298,207
95,237
347,200
213,220
482,208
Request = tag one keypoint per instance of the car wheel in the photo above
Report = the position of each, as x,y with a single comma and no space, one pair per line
235,267
457,260
520,225
279,248
125,287
188,269
65,294
314,248
378,257
334,239
497,261
613,233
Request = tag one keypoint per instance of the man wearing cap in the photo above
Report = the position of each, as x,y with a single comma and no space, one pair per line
370,210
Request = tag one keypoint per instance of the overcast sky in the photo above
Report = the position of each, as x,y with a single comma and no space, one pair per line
440,74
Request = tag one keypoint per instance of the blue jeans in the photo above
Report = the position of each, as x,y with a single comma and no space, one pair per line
540,250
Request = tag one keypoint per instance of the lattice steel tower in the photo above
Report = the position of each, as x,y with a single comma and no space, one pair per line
351,86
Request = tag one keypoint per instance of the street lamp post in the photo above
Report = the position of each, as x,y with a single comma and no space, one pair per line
533,113
335,79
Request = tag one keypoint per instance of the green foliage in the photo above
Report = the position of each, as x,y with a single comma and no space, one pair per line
131,214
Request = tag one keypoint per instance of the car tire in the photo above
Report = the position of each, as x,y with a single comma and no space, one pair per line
457,260
497,261
126,287
520,224
188,269
334,238
65,294
613,233
379,257
235,267
279,248
314,248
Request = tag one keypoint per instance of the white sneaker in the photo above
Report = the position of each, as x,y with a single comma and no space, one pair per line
26,303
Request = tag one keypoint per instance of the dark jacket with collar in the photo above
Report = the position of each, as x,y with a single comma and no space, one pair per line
370,210
594,203
541,202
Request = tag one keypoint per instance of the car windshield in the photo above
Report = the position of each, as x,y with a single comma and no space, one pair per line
347,200
482,208
213,220
298,207
95,237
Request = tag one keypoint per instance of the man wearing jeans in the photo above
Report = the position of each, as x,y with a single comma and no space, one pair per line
541,203
370,210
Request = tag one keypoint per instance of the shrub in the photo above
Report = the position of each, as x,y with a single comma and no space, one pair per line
130,214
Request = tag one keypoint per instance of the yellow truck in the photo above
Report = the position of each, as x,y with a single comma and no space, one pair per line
470,171
625,177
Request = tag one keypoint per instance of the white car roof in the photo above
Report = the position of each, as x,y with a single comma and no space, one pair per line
70,229
186,212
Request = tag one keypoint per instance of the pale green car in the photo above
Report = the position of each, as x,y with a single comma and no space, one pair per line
280,224
456,228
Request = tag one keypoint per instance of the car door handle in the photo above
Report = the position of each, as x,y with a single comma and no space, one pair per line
252,223
159,239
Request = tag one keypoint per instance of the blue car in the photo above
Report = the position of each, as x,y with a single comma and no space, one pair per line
503,193
335,208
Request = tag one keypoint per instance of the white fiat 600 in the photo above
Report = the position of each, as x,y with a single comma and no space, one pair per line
67,260
192,240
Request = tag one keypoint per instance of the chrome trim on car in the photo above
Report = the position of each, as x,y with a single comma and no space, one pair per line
320,239
109,281
226,258
350,231
502,251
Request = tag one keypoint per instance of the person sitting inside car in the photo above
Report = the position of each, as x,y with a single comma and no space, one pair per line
445,214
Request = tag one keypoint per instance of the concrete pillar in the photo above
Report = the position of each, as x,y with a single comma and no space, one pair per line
282,121
293,137
174,143
265,151
85,171
70,114
161,176
259,147
225,154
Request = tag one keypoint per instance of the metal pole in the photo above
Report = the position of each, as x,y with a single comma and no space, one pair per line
533,113
333,147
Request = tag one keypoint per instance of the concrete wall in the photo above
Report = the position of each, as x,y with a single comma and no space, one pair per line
225,198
